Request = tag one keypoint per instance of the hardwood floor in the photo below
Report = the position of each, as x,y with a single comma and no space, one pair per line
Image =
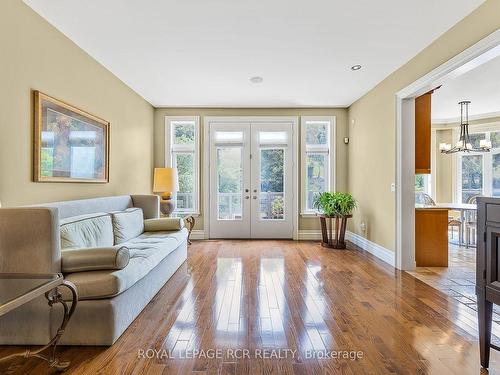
458,281
297,299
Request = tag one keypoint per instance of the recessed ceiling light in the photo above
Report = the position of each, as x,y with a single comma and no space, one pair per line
256,79
356,67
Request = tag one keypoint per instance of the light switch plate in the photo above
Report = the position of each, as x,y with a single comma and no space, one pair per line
393,187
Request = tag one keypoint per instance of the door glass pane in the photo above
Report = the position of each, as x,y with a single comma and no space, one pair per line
229,137
495,191
229,183
184,162
317,133
272,190
316,183
273,138
472,176
183,132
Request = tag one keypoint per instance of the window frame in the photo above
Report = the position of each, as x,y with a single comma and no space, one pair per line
487,163
171,149
330,150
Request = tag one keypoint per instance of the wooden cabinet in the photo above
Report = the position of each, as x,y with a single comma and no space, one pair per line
431,237
487,271
423,134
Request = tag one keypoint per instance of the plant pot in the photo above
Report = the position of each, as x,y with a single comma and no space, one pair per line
333,231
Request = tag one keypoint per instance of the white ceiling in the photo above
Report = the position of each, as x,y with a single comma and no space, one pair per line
203,52
480,85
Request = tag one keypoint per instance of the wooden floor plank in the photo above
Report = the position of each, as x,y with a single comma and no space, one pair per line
297,297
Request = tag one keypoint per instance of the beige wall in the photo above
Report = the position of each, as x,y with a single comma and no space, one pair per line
341,132
34,55
444,167
372,152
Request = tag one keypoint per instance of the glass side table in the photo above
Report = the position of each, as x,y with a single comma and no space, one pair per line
16,289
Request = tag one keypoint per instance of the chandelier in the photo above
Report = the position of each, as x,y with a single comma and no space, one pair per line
464,144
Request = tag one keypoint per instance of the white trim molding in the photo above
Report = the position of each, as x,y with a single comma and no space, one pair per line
376,250
309,235
373,248
197,234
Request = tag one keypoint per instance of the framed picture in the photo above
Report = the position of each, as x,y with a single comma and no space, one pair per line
70,145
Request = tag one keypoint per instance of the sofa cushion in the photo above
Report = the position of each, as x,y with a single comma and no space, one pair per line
92,259
146,251
163,224
91,230
127,224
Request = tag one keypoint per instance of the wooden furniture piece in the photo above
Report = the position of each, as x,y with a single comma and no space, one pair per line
333,236
17,289
455,223
423,133
487,271
190,220
431,237
463,208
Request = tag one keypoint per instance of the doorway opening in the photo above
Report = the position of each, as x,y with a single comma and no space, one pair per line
477,55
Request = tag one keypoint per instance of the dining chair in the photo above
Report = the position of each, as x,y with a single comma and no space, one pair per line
470,224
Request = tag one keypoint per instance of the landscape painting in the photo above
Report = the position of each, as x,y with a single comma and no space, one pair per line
70,145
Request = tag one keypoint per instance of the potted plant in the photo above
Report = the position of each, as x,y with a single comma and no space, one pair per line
337,207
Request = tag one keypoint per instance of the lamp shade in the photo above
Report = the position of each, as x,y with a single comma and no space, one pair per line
165,180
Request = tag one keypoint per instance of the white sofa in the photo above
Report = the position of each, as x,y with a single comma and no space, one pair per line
35,239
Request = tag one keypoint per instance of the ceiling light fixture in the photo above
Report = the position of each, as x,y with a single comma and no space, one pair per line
464,144
356,67
256,79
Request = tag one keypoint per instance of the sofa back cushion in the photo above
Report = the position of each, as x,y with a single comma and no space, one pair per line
127,224
92,230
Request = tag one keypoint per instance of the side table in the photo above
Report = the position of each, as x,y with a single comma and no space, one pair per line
16,289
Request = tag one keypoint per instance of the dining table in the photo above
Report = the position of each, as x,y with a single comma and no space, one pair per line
460,207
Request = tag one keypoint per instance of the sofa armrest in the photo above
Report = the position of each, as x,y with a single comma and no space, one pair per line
93,259
163,224
150,205
29,240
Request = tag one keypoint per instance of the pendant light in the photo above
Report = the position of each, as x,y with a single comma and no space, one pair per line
464,144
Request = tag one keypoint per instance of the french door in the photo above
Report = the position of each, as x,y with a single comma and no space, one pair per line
251,180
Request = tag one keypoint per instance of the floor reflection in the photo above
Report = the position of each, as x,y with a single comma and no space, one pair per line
230,322
271,302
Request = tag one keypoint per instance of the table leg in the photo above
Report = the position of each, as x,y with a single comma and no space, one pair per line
462,225
190,220
53,296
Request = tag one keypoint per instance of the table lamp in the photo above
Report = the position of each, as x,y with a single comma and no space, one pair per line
166,182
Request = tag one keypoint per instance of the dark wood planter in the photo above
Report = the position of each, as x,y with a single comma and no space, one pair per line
333,237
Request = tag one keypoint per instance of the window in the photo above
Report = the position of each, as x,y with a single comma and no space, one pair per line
423,184
182,152
479,173
318,161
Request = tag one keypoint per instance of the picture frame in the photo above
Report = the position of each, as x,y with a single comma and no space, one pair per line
69,144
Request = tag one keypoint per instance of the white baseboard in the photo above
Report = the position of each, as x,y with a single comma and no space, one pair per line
309,235
198,234
379,251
